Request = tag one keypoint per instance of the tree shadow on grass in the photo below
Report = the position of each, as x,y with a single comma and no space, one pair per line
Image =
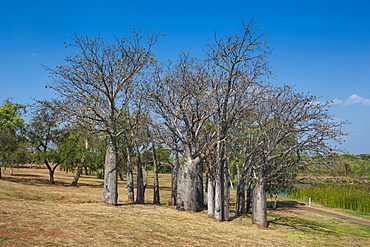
302,225
37,180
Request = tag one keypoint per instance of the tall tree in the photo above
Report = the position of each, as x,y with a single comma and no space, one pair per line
96,86
238,67
178,100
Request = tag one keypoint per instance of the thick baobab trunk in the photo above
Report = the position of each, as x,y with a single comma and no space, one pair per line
110,194
156,199
129,177
187,186
221,192
174,176
259,204
211,195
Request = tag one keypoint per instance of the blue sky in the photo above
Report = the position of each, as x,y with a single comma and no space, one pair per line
323,46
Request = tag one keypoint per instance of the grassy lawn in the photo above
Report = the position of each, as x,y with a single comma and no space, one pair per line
36,213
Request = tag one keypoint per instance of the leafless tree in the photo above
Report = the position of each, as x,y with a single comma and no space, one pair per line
238,67
96,85
286,125
179,99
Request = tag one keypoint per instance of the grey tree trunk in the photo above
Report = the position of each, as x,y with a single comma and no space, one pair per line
186,187
199,188
129,177
240,196
259,204
156,199
174,176
211,195
226,191
221,192
140,188
248,207
110,194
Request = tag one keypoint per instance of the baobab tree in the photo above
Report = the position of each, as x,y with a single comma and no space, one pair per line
96,86
238,67
178,98
285,125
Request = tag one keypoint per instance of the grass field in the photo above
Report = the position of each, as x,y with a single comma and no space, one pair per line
36,213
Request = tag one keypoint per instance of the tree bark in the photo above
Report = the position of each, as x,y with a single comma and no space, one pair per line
199,188
240,196
174,176
211,195
51,171
156,199
221,189
140,188
129,176
187,183
110,194
259,204
248,207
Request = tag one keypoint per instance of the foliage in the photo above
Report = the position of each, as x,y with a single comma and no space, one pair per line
14,147
345,164
10,115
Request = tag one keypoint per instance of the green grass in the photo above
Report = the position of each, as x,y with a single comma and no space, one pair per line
346,196
355,229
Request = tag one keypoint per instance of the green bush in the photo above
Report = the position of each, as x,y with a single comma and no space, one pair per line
100,175
164,168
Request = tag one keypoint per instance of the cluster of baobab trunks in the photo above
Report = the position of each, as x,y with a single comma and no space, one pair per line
212,113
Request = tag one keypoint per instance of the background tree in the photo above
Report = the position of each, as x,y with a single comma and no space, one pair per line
52,140
97,85
13,148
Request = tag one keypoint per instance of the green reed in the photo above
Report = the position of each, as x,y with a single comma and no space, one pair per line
347,196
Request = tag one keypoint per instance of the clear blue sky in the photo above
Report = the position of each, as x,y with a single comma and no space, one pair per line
323,45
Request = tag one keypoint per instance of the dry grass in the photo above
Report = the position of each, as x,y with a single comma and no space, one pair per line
35,213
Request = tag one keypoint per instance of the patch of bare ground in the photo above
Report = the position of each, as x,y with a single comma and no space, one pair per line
35,213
